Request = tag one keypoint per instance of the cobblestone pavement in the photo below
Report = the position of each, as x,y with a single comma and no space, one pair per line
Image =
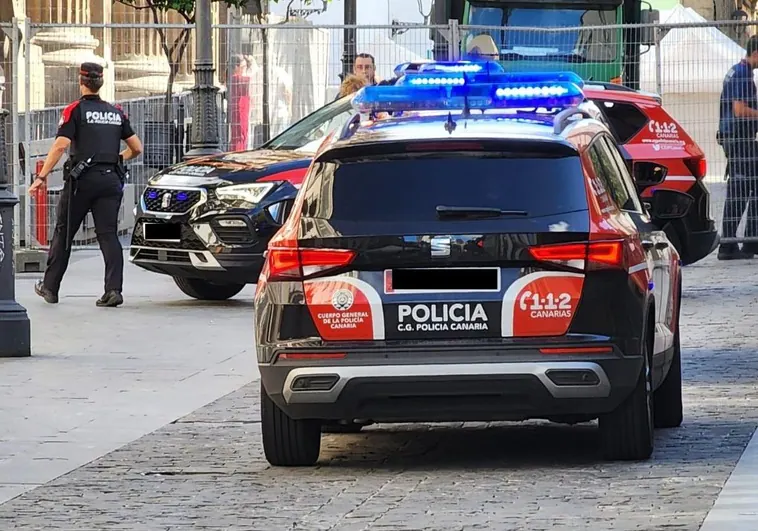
207,471
100,378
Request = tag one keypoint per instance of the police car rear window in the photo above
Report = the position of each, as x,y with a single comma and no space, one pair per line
410,188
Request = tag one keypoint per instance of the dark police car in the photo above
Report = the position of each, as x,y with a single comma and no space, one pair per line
207,222
470,266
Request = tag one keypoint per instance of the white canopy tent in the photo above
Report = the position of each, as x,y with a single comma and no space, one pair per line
693,59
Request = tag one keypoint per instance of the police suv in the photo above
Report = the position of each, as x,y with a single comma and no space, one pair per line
470,247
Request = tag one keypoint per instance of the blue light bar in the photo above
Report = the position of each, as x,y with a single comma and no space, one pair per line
393,98
448,78
461,67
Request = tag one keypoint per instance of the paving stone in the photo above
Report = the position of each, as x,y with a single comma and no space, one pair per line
207,471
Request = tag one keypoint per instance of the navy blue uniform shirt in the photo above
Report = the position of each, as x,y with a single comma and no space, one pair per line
739,133
94,127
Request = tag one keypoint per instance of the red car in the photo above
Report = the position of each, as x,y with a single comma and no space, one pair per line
665,157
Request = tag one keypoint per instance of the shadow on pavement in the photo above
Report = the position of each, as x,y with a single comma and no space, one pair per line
192,303
527,446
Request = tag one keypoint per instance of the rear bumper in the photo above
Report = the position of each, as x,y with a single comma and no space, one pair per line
700,244
541,387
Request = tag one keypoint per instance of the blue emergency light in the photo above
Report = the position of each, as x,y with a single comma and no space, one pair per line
435,76
461,67
436,90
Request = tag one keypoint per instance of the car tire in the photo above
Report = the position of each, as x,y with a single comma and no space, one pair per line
207,291
667,399
286,441
627,433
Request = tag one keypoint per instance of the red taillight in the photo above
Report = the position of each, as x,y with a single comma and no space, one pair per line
292,263
294,356
697,166
607,253
600,253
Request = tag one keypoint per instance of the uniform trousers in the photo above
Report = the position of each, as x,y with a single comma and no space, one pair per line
741,189
100,191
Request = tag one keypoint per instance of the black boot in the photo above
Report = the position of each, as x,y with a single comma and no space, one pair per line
47,294
110,299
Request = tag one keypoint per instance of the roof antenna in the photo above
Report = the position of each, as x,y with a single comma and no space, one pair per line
450,125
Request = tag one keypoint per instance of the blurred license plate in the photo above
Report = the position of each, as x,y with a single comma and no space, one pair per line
162,232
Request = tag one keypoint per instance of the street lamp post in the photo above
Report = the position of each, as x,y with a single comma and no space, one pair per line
205,137
15,329
349,36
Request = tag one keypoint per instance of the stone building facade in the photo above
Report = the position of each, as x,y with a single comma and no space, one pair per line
133,58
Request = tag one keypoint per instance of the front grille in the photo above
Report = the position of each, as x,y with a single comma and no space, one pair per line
169,200
163,255
189,240
232,235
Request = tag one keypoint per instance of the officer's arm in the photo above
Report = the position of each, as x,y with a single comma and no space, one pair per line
133,147
66,133
743,110
57,150
739,89
133,143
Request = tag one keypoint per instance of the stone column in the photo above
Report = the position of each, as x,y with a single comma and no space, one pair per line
108,92
65,49
141,66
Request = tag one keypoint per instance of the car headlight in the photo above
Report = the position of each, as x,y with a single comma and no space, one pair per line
244,195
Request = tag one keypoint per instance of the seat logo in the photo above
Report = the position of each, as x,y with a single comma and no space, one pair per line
166,200
441,245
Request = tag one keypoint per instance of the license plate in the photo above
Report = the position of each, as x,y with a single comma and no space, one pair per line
162,232
442,280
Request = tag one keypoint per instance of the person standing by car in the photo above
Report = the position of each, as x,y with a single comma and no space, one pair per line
94,178
239,104
365,67
738,127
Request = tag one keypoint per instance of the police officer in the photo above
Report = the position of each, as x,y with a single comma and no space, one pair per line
94,180
738,127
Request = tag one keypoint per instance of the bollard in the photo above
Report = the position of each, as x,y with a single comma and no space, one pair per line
15,329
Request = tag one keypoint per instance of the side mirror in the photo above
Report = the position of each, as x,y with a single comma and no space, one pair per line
670,204
648,173
648,17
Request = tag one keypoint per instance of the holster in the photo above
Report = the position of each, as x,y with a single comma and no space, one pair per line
71,173
122,171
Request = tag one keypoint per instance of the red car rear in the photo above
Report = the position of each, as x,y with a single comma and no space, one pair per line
651,135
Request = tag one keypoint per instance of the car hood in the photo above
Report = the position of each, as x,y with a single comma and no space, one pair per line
241,167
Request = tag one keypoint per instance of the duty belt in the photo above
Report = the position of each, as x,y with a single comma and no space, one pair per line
100,158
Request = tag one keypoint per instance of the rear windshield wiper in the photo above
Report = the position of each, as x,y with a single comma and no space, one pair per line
476,212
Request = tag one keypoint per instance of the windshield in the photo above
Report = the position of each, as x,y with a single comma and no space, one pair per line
308,133
594,45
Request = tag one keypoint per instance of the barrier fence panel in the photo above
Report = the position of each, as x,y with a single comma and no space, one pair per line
271,76
278,74
152,91
692,60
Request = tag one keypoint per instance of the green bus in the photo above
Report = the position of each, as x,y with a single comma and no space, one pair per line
598,53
